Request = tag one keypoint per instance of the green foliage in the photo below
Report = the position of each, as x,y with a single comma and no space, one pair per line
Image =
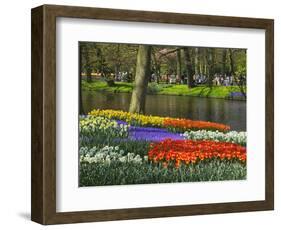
154,88
106,58
99,141
110,58
100,131
137,147
241,68
118,173
119,87
241,71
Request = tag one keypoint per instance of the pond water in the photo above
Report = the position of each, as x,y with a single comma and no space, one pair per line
228,112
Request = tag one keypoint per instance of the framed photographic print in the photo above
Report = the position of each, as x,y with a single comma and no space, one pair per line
139,114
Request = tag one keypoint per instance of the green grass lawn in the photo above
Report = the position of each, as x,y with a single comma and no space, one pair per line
164,89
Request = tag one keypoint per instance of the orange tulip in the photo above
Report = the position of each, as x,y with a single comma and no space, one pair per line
186,151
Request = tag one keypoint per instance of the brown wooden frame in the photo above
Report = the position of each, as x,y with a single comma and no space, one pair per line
43,189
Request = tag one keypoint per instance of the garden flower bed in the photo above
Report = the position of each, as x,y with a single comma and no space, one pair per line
118,147
184,124
152,134
232,136
179,152
156,121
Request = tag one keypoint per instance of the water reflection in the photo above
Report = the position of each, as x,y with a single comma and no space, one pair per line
228,112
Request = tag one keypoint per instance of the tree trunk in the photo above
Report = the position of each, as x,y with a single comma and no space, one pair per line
158,73
196,61
117,62
189,69
81,109
231,62
89,75
137,104
211,66
156,66
179,64
224,61
88,66
100,62
205,66
183,67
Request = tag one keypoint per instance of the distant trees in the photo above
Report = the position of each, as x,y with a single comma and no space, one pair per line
188,62
238,69
144,63
87,62
107,60
137,104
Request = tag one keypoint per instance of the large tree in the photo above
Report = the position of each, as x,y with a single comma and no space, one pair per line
137,104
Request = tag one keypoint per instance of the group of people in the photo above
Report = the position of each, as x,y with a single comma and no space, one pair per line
228,80
123,76
224,80
198,79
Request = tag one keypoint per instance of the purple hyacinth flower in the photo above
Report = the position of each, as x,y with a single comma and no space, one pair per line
152,134
120,122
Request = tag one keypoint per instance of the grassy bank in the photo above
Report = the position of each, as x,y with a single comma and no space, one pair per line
164,89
